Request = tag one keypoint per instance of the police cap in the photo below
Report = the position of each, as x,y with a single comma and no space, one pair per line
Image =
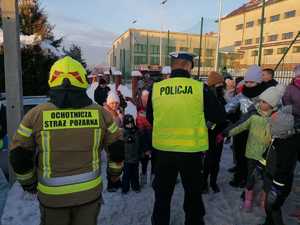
183,55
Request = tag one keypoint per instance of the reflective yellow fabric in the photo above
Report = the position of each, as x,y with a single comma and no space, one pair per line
46,153
69,189
179,123
97,137
67,68
70,119
24,177
1,144
113,128
24,131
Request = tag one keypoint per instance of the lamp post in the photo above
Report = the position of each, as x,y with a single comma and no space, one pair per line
160,36
132,43
219,37
261,39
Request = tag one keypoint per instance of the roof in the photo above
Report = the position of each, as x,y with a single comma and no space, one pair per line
249,6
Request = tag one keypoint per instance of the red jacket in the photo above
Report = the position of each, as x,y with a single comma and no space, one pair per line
141,120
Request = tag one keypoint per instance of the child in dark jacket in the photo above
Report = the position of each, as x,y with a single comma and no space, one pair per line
281,162
212,162
132,156
145,130
240,105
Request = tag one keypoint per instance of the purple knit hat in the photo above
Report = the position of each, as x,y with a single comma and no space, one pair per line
254,73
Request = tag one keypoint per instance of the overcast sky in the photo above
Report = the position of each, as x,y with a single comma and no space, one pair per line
94,24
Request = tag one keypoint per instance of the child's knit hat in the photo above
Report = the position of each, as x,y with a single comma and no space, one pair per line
272,96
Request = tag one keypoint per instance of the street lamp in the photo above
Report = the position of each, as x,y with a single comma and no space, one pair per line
160,36
219,36
132,45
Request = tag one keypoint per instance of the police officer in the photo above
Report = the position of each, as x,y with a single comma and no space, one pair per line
178,109
69,133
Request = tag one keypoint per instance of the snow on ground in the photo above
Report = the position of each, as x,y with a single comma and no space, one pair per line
136,209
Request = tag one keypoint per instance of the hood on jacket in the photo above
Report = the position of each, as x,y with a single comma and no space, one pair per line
69,98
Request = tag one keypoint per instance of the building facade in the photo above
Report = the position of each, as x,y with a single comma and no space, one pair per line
240,33
138,47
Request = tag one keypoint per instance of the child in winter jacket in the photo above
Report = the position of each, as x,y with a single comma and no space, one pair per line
145,130
281,162
230,89
215,83
132,156
259,138
115,153
292,97
235,108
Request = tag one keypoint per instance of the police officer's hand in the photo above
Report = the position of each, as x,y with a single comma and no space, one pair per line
31,188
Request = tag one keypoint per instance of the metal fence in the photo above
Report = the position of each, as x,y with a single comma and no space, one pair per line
283,77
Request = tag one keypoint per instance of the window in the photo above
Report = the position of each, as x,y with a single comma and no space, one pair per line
290,14
288,35
296,49
268,51
196,51
254,53
210,52
281,51
172,49
259,21
239,26
154,49
154,60
138,60
139,48
250,24
238,43
258,39
248,42
275,18
273,37
183,49
208,63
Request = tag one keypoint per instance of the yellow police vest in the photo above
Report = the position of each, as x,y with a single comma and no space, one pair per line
178,110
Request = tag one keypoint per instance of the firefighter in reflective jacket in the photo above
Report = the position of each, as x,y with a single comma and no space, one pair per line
179,108
56,149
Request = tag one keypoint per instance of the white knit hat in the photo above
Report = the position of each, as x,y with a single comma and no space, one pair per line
136,73
117,73
254,73
272,96
166,70
112,97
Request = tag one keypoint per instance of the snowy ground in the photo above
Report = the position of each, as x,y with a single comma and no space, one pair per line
136,209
